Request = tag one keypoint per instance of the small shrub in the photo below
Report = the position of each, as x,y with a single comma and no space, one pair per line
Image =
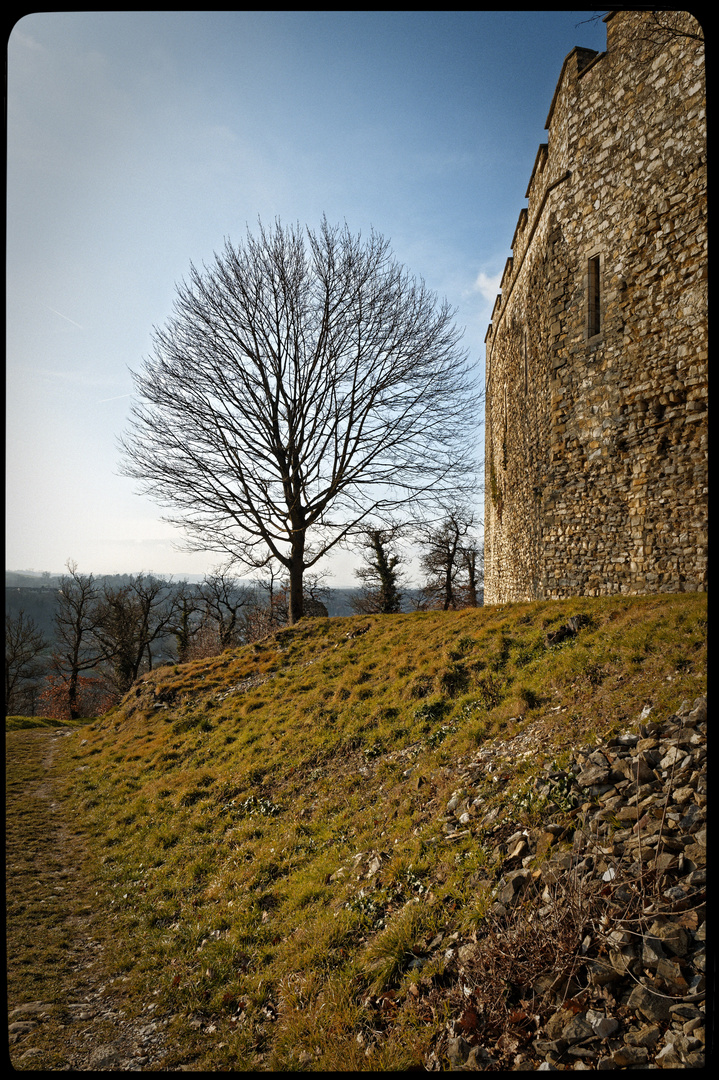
390,953
440,735
431,711
186,723
421,686
373,751
254,805
454,680
464,644
189,798
489,690
529,696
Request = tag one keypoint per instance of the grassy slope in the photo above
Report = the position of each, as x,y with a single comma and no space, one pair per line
28,723
227,802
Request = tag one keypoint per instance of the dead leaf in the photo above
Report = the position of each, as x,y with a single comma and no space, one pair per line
469,1019
508,1043
518,1016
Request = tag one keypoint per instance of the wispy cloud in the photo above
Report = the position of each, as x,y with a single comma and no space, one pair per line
77,324
487,286
28,41
116,398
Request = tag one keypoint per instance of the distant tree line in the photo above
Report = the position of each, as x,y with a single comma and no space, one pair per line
108,631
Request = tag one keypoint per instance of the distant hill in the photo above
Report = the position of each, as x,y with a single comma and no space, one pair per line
29,579
34,593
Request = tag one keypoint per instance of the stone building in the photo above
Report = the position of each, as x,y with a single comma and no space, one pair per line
596,395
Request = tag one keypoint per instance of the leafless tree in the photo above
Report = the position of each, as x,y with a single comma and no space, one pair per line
471,555
76,622
269,607
225,598
448,549
380,575
24,646
277,592
189,620
305,387
666,26
130,620
213,616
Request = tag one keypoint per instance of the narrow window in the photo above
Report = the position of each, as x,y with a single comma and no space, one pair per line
594,298
504,431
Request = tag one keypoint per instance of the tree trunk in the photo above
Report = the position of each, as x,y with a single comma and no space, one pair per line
296,568
471,566
72,695
448,591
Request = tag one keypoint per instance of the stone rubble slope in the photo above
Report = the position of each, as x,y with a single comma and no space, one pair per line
632,866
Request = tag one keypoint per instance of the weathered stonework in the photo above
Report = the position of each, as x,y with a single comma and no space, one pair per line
596,405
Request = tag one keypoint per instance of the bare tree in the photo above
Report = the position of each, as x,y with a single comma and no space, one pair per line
213,616
130,620
315,592
275,611
24,646
660,27
189,620
269,607
380,591
449,549
305,387
666,26
471,555
76,622
225,599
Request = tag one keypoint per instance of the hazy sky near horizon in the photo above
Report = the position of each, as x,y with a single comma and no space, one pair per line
138,141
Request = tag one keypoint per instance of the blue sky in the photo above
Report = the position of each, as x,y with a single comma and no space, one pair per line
138,141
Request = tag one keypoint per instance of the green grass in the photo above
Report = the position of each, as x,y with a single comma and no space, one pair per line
235,809
27,723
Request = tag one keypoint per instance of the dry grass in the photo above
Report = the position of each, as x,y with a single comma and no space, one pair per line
265,826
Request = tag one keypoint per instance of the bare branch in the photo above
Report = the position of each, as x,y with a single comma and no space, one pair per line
24,646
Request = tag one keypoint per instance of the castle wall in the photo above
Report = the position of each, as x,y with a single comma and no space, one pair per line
596,421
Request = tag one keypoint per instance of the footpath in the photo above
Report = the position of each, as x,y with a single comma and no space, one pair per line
66,1011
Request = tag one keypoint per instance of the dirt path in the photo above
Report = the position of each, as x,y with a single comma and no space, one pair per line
66,1010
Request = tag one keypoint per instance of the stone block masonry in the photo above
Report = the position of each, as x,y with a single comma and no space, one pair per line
596,396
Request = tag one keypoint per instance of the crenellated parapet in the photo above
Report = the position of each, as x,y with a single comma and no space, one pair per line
547,171
596,366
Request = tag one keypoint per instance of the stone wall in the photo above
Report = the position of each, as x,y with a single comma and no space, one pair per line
596,408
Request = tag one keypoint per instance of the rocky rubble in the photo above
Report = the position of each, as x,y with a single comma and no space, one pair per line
614,886
95,1034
